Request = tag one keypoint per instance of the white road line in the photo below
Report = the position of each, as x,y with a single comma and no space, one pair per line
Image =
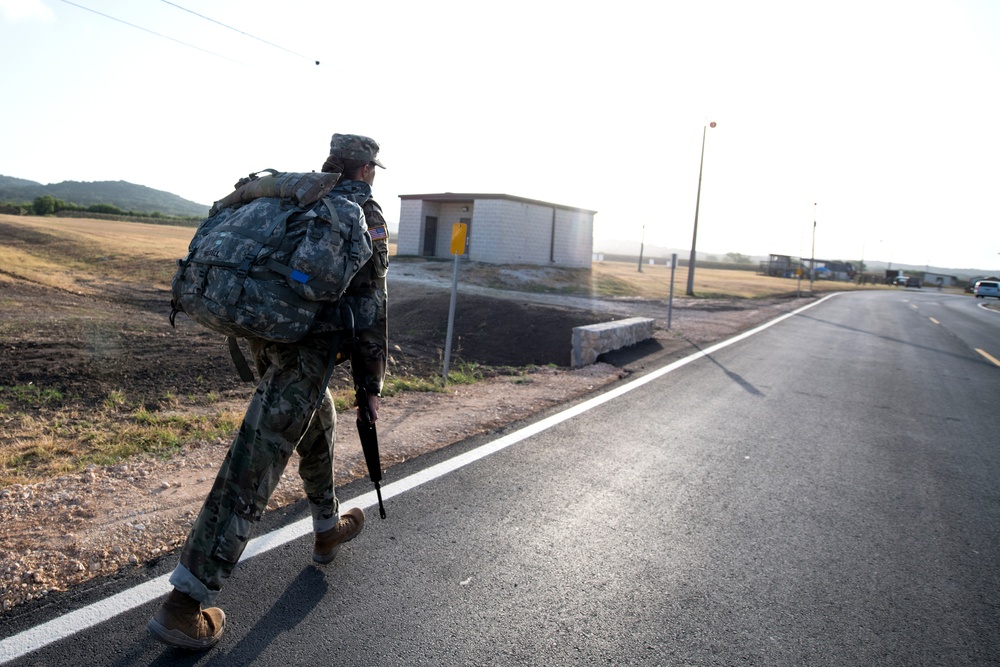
69,624
996,362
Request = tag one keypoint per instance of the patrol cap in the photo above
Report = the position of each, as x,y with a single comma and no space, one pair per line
355,147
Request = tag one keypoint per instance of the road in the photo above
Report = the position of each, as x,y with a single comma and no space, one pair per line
825,491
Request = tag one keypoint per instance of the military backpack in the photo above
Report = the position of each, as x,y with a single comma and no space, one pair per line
270,256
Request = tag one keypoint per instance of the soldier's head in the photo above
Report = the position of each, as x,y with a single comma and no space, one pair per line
356,155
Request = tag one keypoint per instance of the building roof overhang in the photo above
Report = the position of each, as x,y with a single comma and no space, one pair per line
459,197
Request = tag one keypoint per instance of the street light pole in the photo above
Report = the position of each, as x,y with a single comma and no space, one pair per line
697,205
812,260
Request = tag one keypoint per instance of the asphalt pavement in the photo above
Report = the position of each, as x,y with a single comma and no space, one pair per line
823,491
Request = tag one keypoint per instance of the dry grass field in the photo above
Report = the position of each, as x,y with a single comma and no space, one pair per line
75,254
624,279
70,252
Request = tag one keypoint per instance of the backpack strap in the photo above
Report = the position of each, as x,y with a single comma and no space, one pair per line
262,240
242,367
357,231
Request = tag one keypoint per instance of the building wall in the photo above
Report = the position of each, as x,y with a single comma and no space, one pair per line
510,232
574,242
411,226
502,231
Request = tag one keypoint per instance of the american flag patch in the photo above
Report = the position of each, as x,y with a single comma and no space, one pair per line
378,233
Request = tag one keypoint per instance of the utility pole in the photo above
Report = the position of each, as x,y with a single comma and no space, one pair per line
642,244
697,205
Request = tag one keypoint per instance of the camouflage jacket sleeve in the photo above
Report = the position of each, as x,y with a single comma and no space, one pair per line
368,359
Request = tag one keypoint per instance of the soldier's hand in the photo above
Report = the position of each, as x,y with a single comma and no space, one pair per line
372,408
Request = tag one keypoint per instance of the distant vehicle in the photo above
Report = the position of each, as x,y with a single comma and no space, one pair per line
913,281
985,288
899,281
822,273
971,286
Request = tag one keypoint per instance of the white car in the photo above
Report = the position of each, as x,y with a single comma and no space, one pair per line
985,288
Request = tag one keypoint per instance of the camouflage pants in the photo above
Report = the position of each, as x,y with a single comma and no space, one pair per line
278,420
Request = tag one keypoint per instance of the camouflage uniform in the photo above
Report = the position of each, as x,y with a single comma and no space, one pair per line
367,297
280,419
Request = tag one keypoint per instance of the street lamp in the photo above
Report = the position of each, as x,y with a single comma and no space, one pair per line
697,204
812,260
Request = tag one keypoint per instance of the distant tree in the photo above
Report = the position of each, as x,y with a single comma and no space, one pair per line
104,208
737,258
44,205
16,208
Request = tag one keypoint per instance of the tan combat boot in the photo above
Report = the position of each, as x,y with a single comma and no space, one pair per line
329,541
180,621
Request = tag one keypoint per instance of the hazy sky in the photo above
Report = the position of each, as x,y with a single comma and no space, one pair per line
879,118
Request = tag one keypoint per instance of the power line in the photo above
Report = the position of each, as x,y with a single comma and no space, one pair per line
153,32
174,4
183,43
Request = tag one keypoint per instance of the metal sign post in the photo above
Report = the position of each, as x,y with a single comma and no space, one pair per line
670,304
458,235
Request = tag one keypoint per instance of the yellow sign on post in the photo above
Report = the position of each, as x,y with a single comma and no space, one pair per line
458,232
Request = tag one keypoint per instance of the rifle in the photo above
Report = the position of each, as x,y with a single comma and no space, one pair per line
366,426
369,445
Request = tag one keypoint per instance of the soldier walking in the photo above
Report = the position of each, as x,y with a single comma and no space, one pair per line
280,419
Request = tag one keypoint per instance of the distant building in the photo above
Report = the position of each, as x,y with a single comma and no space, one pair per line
502,229
784,266
932,279
780,266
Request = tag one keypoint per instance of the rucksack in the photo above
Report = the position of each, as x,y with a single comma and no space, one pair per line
270,256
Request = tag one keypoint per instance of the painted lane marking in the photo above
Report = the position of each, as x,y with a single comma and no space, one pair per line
989,356
934,321
87,617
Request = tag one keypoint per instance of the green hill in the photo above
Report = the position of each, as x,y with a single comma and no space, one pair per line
124,195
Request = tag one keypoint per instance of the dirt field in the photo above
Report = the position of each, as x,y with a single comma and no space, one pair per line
93,354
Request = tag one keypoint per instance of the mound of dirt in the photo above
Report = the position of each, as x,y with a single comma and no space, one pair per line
88,346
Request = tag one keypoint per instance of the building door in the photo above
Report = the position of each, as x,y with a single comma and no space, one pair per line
430,235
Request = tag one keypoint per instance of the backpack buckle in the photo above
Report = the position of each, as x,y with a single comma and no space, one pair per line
244,268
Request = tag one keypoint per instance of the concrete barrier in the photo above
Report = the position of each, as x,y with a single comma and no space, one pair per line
591,341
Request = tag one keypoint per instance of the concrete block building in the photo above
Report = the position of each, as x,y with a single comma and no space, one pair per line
502,229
